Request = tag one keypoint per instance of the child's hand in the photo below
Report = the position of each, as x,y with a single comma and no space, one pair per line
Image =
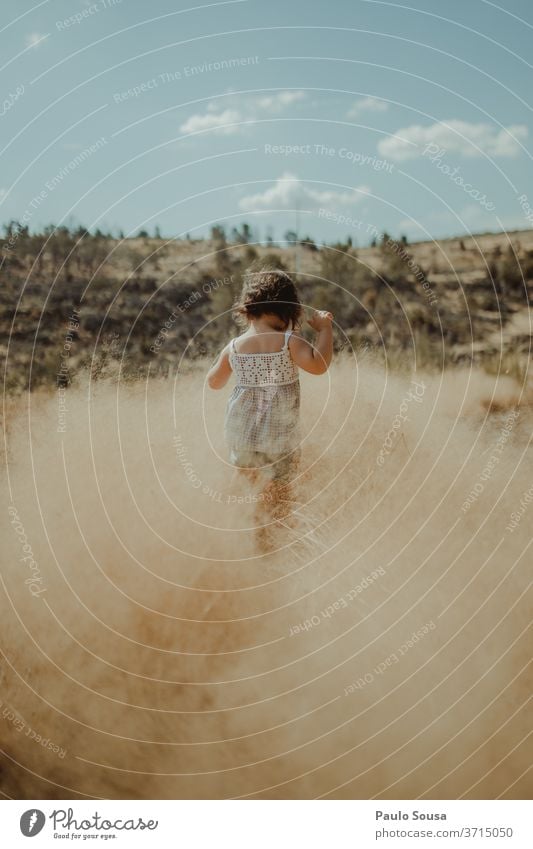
320,319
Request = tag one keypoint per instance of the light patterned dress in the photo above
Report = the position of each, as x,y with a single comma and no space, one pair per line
261,423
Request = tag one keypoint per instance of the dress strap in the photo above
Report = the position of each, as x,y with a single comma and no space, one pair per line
287,337
233,346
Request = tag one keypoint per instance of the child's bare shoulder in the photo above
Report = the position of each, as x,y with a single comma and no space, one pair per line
296,341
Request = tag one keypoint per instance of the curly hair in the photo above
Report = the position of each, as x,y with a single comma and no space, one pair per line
268,291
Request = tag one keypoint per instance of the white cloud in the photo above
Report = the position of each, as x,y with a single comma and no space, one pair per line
288,192
248,110
454,135
276,102
367,104
213,121
34,38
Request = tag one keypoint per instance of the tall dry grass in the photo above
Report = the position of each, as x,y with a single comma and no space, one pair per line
167,656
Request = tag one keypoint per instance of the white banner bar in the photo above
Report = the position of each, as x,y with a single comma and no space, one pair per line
268,824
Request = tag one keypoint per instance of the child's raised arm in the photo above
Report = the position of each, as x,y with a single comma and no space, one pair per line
219,374
316,358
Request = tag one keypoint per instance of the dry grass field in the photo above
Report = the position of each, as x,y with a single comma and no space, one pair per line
380,649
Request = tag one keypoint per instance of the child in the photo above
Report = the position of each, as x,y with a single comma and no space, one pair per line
261,424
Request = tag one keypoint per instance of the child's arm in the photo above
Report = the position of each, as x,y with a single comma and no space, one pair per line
314,358
219,374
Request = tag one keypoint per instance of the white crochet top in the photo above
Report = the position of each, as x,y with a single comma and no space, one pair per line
264,369
263,409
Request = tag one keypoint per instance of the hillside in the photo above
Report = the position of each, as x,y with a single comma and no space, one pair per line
71,300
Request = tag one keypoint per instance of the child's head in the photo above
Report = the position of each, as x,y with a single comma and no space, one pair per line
268,291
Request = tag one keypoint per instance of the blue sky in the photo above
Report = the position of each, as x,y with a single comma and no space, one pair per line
335,119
